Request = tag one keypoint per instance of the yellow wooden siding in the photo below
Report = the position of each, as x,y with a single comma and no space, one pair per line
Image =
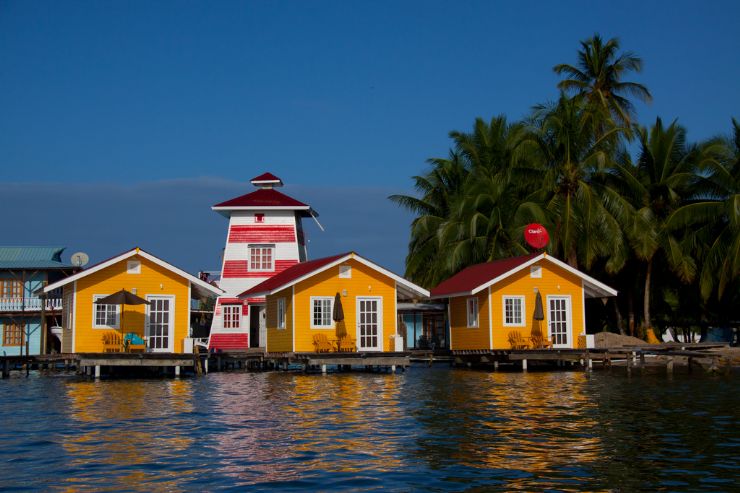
68,306
555,281
364,282
153,280
464,337
280,340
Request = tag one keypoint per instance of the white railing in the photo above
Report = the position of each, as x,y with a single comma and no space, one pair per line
29,304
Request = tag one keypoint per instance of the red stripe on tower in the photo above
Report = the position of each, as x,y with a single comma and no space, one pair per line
229,341
261,234
240,269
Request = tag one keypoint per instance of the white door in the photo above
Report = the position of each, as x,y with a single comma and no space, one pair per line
160,322
370,323
558,320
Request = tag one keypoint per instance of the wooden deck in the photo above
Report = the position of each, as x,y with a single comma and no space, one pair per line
666,355
711,357
260,360
94,363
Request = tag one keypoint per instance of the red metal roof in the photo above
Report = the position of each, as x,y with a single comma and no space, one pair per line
471,277
291,274
263,198
266,177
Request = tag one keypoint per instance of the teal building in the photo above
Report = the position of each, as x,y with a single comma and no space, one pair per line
26,318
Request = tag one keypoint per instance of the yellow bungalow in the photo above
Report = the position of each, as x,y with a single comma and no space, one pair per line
164,323
529,301
303,305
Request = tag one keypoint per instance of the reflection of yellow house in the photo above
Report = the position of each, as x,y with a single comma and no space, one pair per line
301,304
164,323
487,302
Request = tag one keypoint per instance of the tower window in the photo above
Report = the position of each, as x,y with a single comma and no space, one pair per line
261,258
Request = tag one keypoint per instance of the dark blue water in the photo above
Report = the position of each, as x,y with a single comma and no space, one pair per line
428,429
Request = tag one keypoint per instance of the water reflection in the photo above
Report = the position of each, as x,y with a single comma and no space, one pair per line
123,433
428,429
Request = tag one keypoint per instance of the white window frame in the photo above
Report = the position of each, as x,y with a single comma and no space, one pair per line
228,323
535,271
116,310
314,299
522,305
472,315
345,272
253,249
281,313
133,267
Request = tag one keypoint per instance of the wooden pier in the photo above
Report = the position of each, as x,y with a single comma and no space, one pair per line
667,355
94,364
259,360
710,357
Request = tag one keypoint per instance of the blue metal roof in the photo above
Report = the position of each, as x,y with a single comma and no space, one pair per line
32,257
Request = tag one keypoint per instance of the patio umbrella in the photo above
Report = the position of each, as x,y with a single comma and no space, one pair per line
338,312
539,312
122,297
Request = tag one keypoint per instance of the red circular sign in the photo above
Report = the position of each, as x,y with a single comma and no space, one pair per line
536,235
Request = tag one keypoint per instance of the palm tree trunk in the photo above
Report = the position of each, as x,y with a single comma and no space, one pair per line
631,312
646,322
618,316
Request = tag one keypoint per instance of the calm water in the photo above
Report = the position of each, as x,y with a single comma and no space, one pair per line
428,429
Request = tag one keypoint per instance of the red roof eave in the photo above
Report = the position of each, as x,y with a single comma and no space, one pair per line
469,279
276,282
263,199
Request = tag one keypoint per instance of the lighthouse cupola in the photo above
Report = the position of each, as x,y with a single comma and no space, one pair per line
266,180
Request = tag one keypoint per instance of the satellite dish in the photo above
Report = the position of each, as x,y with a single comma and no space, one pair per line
536,235
80,259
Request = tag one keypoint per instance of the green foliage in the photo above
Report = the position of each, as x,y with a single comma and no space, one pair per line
663,228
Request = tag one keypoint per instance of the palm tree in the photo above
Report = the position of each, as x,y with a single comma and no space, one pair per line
471,209
487,222
657,186
714,214
439,189
585,218
598,78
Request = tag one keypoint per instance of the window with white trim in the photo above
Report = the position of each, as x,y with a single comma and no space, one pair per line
321,307
535,271
345,272
261,258
232,316
472,304
105,316
281,313
513,311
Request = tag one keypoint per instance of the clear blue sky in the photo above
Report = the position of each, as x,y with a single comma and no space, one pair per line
104,105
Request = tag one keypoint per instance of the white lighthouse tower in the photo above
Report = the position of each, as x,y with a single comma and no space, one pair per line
265,237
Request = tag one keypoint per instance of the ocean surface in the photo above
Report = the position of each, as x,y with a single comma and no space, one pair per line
428,429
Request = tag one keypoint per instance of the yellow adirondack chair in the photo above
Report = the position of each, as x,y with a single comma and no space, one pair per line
112,342
347,344
322,344
516,341
539,341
